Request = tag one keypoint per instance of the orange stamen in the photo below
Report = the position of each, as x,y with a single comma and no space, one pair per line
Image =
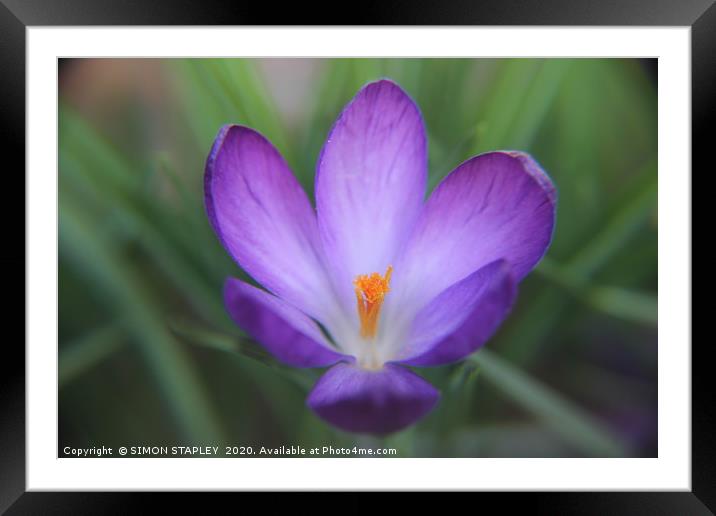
370,290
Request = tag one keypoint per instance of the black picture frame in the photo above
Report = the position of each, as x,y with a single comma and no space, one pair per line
16,15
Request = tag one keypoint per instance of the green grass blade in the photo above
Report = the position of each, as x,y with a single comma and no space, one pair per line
84,246
246,348
638,307
83,354
501,107
563,417
635,306
525,336
619,229
174,251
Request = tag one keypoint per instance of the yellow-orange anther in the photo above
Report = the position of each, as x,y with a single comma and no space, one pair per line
370,291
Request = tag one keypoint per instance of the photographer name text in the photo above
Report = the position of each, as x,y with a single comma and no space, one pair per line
226,451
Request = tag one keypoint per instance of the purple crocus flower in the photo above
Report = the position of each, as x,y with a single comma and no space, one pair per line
394,280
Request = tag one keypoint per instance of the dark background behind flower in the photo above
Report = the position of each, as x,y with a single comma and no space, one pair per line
148,356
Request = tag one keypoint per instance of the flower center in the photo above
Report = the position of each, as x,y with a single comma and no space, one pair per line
370,290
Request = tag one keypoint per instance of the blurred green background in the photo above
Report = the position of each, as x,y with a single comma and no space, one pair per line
148,356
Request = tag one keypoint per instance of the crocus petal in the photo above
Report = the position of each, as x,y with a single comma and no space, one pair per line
462,317
264,219
370,183
284,331
498,205
377,402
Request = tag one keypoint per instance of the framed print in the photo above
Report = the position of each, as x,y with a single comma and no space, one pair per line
421,257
